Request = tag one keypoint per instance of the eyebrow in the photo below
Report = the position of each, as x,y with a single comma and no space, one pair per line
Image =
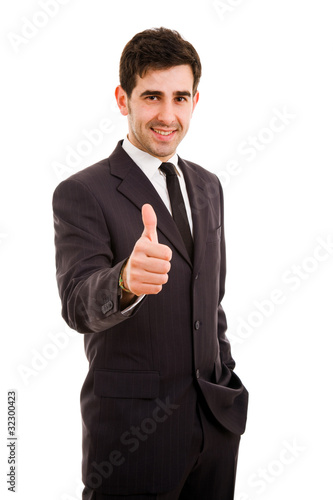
178,93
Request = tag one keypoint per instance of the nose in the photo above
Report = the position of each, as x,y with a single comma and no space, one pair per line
166,113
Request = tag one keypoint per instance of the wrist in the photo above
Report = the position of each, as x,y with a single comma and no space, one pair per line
122,279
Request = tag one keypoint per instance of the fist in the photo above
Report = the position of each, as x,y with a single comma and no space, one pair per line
147,268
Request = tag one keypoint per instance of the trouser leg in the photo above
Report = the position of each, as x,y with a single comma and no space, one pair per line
214,474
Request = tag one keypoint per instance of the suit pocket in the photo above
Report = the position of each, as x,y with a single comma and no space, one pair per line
214,235
126,384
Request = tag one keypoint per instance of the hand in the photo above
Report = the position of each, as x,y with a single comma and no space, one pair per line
147,268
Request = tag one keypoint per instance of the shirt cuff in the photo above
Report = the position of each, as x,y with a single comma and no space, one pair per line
128,311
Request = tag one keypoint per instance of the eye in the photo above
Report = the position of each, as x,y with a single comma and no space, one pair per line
181,99
151,98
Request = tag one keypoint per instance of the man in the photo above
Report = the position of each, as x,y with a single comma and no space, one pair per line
141,269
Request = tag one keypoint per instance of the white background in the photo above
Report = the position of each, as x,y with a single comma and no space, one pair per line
259,57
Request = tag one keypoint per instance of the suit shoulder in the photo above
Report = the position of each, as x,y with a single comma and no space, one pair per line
97,170
91,176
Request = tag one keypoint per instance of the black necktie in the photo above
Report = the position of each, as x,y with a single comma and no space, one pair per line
177,205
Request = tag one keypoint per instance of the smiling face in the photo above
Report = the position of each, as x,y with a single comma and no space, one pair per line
159,110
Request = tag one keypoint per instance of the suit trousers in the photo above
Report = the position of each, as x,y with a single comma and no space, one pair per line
211,470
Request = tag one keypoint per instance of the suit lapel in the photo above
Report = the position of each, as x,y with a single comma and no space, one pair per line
198,198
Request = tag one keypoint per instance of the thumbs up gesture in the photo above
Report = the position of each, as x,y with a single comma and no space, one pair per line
147,268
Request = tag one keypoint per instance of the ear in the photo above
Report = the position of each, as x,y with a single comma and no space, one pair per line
195,100
121,98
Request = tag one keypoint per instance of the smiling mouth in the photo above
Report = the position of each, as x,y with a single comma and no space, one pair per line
163,132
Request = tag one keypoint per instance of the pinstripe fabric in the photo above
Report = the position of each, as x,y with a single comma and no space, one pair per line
145,371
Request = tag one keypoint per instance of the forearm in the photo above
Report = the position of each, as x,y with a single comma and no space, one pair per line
93,304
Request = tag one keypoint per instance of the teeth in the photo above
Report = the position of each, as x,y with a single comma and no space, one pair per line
162,132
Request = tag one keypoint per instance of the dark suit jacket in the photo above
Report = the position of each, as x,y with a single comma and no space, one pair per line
145,371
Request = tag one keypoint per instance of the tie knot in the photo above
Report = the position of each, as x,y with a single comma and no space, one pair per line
168,169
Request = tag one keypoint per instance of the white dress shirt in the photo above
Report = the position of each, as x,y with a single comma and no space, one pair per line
150,167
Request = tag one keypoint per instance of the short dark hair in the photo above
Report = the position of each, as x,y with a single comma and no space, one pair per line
156,48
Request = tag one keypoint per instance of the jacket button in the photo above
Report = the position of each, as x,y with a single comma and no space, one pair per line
197,325
197,373
107,307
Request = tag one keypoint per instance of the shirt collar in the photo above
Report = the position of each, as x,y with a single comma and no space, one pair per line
149,164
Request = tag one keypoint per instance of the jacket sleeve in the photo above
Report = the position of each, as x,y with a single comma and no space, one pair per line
86,273
225,348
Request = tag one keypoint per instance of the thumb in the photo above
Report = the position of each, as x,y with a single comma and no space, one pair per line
149,220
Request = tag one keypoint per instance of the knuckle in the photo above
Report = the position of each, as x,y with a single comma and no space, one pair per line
165,268
168,253
165,279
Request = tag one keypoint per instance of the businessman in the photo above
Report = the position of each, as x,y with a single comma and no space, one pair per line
140,259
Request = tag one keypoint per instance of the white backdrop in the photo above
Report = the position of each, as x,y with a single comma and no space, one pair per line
264,126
